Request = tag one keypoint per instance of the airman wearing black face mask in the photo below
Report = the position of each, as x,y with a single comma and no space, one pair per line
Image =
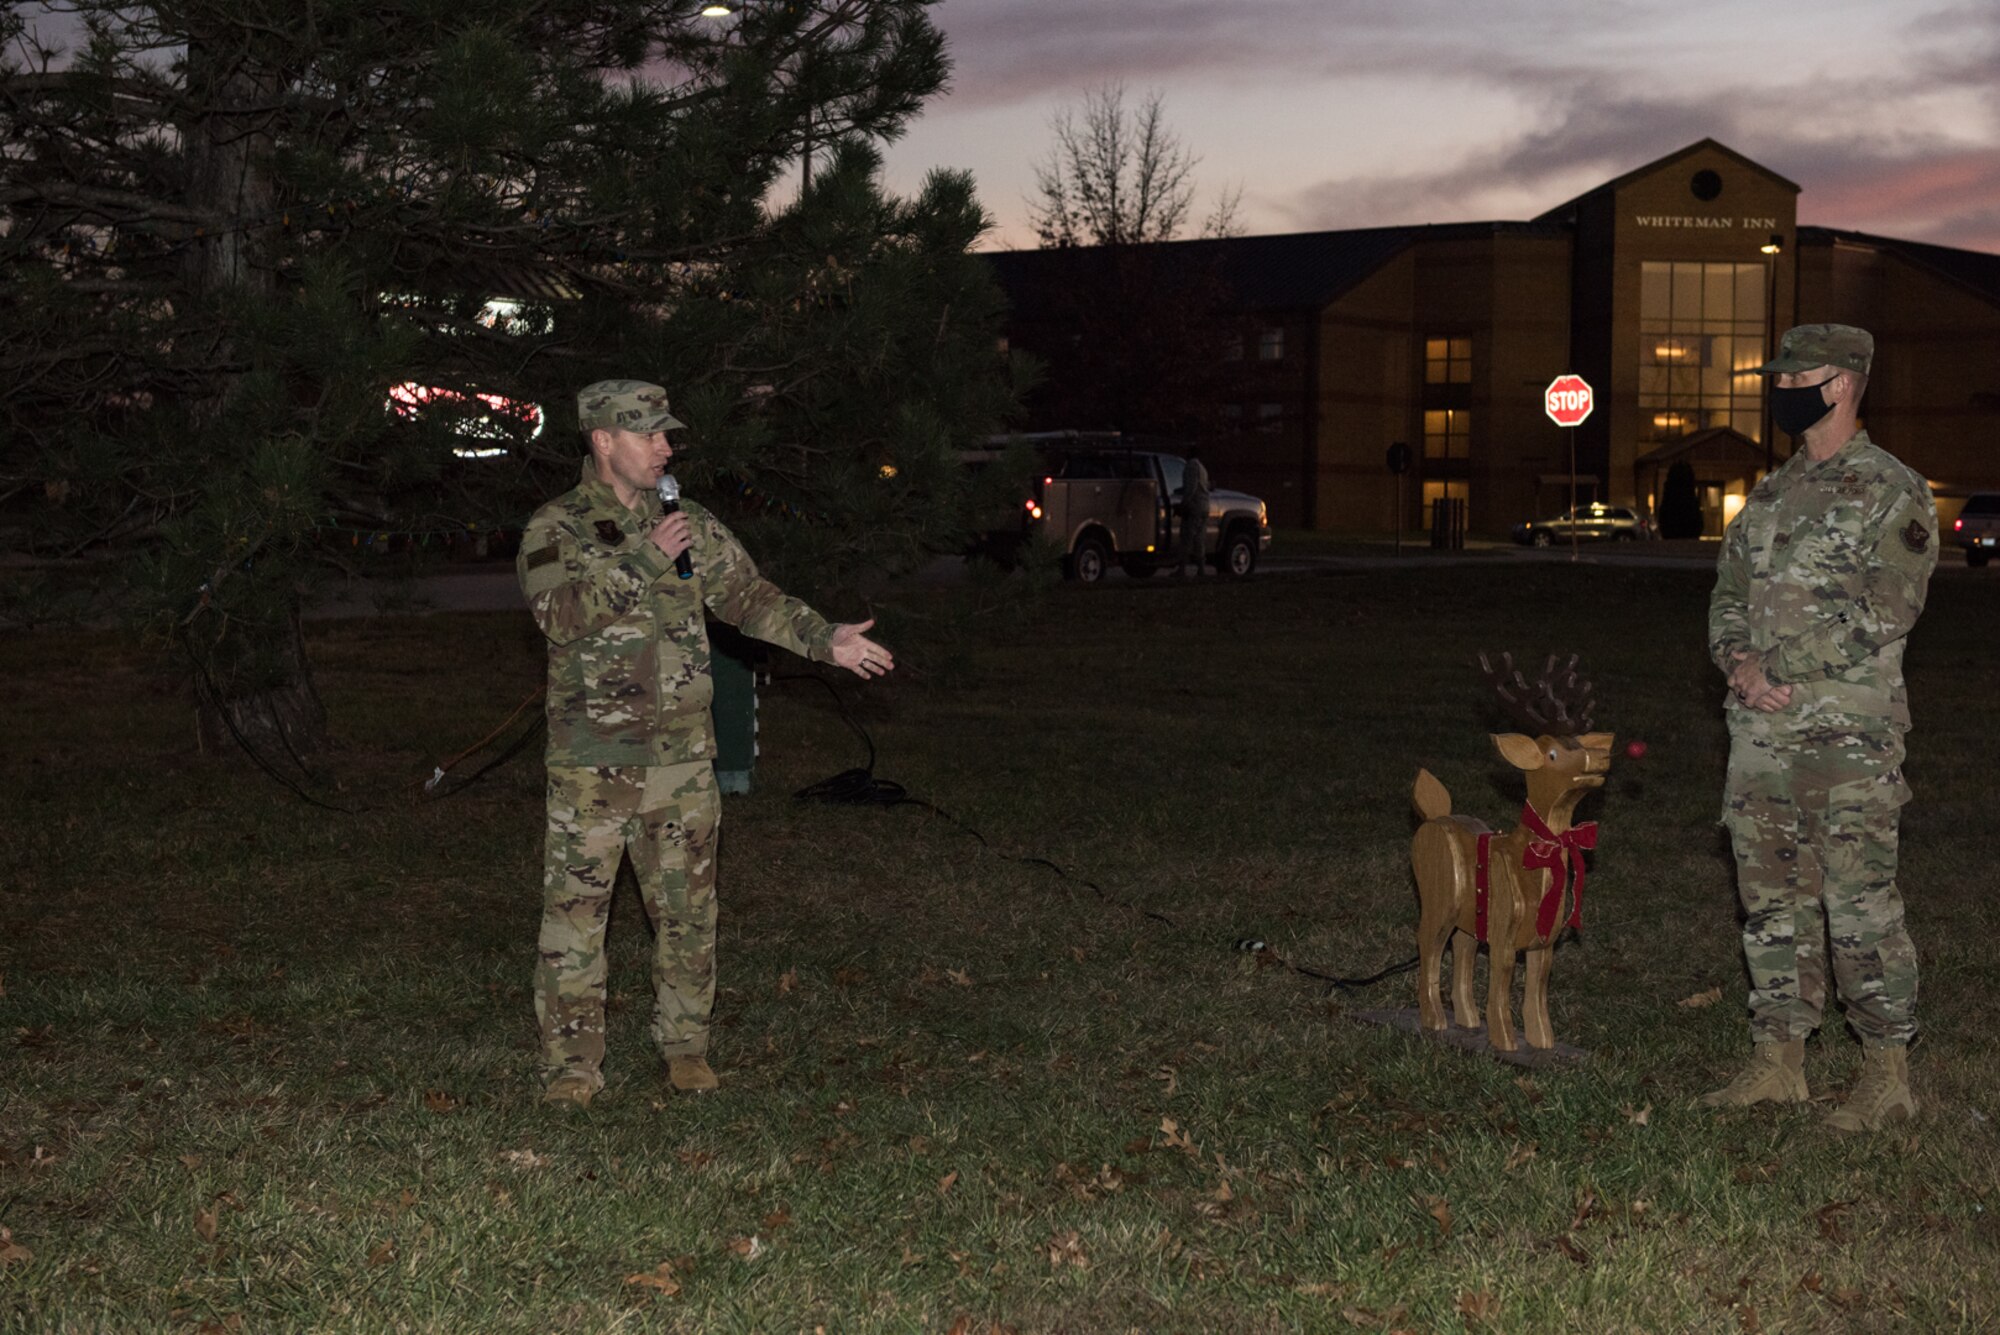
1821,579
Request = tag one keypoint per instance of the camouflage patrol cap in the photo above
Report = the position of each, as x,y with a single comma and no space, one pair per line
625,405
1809,345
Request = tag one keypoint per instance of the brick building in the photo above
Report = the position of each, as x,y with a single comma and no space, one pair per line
1663,288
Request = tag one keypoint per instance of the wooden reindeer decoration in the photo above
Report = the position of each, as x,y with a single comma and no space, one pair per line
1509,890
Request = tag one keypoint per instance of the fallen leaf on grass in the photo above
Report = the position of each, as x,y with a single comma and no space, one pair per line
205,1223
660,1279
1701,999
947,1182
1370,1318
1637,1116
1139,1145
229,1325
382,1252
848,977
525,1160
1830,1216
1750,1173
911,1256
1526,1084
959,976
1439,1209
438,1101
776,1220
12,1251
1810,1282
1478,1305
191,1160
1178,1139
1746,1317
1067,1249
788,980
1517,1156
694,1158
1572,1251
746,1249
1586,1207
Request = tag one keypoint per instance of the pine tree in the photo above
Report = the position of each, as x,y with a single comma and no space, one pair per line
233,227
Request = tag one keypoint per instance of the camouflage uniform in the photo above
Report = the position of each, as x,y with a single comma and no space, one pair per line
630,750
1823,574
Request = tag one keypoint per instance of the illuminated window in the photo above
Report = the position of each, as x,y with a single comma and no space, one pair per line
1271,345
1456,489
1701,340
1447,361
1447,433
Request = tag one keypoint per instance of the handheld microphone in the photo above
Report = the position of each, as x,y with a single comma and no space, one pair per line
670,503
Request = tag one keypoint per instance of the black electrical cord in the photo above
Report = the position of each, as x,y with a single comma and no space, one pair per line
860,787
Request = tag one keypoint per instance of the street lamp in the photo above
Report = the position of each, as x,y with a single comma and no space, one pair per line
1771,250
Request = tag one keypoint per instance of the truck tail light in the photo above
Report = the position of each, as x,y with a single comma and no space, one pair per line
1958,526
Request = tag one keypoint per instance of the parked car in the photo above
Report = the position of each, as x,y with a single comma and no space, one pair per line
1977,528
1105,503
1591,523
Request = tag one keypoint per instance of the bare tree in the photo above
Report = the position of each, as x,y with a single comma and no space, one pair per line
1118,175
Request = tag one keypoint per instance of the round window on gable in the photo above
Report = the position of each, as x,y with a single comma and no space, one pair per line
1706,185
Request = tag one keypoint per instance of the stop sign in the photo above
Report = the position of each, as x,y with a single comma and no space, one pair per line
1567,400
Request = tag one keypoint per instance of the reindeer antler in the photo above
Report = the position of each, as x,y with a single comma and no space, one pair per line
1559,702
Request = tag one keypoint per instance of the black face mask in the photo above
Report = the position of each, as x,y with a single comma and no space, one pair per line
1797,411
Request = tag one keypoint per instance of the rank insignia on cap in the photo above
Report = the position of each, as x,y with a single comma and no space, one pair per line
1916,537
611,535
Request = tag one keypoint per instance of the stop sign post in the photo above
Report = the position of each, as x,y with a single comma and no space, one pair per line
1568,402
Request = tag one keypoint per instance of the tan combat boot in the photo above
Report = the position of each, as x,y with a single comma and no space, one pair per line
1775,1073
690,1074
573,1090
1882,1094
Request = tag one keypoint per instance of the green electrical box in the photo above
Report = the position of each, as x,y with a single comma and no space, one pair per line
733,668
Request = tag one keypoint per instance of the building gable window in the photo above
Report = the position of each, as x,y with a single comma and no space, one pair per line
1271,344
1702,329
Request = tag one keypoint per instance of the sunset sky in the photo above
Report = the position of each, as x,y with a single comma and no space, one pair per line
1357,113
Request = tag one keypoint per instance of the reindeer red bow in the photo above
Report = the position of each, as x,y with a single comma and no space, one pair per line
1558,853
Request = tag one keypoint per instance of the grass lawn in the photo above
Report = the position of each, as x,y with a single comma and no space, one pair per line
265,1067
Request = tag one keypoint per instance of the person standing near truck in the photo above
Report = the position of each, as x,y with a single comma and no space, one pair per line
1194,514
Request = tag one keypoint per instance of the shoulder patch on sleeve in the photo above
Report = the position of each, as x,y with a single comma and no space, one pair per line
1916,537
542,556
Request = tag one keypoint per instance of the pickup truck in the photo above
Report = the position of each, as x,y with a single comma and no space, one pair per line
1105,503
1977,528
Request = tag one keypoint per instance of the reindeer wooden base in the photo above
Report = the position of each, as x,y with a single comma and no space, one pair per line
1514,890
